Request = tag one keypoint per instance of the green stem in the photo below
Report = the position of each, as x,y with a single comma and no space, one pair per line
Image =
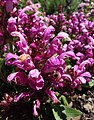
10,41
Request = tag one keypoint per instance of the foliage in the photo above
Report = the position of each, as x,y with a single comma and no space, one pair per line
91,83
51,6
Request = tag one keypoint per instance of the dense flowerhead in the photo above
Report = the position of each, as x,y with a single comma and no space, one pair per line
45,55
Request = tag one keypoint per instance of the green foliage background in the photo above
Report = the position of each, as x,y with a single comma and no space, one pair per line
51,6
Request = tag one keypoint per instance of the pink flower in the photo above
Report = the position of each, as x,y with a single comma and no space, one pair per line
35,113
22,44
35,79
68,54
21,95
54,47
63,35
52,64
48,33
9,5
23,61
35,107
11,27
10,58
52,95
19,78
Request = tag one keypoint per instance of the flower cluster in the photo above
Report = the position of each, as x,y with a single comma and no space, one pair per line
48,53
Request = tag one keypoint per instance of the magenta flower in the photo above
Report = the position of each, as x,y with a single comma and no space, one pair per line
82,78
44,61
79,75
35,79
7,100
19,78
90,40
21,95
52,64
35,113
9,5
63,35
27,8
52,95
22,44
48,33
89,51
10,58
68,54
54,47
84,65
22,16
35,107
57,78
33,32
67,77
11,27
23,61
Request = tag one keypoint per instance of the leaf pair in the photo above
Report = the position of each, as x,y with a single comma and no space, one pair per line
61,111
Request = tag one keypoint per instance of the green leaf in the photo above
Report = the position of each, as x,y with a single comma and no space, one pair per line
28,12
63,98
58,111
91,83
57,117
1,64
71,113
75,4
